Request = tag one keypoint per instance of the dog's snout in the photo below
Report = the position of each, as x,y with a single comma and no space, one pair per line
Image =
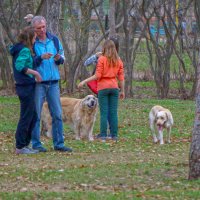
93,103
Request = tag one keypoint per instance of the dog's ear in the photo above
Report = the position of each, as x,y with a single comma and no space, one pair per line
155,119
82,102
167,117
96,99
170,118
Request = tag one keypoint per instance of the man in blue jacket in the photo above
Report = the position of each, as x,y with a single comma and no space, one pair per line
49,55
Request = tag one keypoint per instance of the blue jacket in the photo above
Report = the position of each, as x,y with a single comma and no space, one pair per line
22,55
91,60
48,68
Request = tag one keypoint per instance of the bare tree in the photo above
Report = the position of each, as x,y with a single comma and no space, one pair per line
129,46
75,37
12,15
161,48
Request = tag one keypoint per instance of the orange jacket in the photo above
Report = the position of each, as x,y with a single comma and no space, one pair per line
107,77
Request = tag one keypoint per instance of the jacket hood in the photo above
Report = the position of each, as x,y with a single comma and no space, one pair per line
15,49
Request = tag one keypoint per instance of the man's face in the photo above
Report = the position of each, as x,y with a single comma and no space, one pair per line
40,29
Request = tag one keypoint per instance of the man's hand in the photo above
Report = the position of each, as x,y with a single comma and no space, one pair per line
57,57
46,55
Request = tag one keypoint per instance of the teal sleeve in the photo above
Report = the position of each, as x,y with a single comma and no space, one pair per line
22,59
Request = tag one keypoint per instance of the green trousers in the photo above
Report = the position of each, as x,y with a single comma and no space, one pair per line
108,104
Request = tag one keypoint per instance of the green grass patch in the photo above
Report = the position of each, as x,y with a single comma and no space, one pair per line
132,168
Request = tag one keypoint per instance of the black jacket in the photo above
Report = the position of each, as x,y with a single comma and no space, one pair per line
21,78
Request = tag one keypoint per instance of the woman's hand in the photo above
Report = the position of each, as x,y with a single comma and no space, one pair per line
81,84
121,95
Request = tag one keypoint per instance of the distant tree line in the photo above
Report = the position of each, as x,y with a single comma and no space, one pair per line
130,20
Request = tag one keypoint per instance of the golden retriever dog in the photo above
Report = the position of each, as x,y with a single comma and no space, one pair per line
161,118
80,114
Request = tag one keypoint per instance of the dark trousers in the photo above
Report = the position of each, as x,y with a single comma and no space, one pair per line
28,115
108,104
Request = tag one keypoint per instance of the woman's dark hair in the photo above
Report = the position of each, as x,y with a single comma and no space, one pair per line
26,36
116,42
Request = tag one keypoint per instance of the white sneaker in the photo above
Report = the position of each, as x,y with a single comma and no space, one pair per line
25,150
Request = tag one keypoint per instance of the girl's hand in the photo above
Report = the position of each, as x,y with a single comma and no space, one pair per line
38,78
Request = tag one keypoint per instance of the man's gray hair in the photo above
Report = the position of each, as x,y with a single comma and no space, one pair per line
37,19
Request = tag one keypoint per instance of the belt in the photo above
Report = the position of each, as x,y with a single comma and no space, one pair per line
49,82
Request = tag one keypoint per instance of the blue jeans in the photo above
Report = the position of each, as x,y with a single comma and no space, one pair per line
108,104
50,92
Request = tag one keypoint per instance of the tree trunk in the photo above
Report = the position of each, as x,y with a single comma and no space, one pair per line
194,157
52,16
5,68
128,49
112,18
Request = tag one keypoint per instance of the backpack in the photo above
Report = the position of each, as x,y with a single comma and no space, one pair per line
56,43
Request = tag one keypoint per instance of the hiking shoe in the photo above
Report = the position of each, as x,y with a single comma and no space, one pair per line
40,149
63,149
25,150
109,137
101,138
34,150
114,138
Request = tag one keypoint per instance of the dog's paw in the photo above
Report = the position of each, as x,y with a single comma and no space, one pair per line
161,142
77,138
91,139
155,140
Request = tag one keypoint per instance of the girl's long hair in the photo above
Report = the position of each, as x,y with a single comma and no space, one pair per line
109,50
26,37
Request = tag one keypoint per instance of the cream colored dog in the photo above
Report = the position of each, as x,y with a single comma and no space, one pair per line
80,114
161,118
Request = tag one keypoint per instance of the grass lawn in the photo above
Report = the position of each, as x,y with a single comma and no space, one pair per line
132,168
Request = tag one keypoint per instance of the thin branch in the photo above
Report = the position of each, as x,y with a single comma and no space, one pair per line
99,19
